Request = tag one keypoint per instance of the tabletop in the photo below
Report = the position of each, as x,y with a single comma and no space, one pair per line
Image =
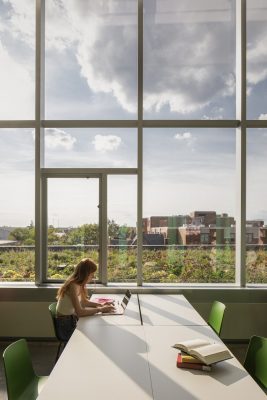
168,310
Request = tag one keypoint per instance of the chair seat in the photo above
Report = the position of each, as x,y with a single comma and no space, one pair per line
41,383
33,390
22,382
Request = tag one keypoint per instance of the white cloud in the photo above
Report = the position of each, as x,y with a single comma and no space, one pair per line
256,56
185,76
106,49
183,136
206,117
263,117
104,143
16,88
57,138
21,20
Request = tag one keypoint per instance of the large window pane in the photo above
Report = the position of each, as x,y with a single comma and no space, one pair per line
189,59
90,148
256,59
122,261
73,224
17,41
17,236
189,205
256,228
91,59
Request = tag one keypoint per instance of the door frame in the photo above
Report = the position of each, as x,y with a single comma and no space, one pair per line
102,218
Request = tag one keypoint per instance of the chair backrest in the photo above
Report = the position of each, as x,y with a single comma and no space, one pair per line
256,360
52,309
21,381
216,316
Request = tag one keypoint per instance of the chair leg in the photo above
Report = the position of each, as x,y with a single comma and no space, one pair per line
58,352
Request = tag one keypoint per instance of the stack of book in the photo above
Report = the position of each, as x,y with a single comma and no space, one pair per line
190,362
200,354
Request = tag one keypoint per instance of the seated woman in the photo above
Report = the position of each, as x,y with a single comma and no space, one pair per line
72,300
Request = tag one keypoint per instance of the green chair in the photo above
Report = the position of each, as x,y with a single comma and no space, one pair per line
52,308
216,316
256,360
21,381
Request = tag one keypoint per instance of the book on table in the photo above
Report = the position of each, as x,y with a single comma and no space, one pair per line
190,362
205,351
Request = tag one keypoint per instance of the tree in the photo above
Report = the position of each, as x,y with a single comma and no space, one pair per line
85,234
113,229
23,235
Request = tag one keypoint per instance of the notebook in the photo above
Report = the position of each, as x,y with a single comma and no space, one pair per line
120,307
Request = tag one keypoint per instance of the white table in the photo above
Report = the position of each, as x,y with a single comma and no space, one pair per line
168,310
101,362
105,360
228,380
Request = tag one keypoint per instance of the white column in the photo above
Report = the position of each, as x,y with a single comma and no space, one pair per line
40,268
241,142
140,146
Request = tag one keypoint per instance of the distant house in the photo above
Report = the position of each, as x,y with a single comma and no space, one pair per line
152,240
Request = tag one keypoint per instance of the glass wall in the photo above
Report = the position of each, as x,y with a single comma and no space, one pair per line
90,148
17,235
189,59
17,54
122,234
256,60
73,224
91,59
256,224
136,136
189,205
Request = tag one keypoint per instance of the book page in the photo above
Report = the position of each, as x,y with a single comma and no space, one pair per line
212,353
187,345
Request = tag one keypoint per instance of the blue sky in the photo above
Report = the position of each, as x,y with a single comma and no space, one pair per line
91,73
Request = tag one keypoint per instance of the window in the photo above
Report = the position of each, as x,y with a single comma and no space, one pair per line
87,147
91,59
17,76
189,192
256,210
17,236
189,59
256,59
123,141
122,235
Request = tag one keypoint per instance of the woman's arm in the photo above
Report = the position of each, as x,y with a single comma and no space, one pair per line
79,309
88,303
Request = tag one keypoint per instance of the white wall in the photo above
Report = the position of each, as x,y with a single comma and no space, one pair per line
32,319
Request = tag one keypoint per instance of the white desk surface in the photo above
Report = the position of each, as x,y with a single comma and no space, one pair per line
168,310
103,362
118,361
227,381
131,315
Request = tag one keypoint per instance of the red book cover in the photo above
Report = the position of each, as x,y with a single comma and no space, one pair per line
199,366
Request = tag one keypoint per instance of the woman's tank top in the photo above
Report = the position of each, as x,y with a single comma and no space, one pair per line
65,306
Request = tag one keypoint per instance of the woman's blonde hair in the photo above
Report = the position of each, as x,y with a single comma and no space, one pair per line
80,276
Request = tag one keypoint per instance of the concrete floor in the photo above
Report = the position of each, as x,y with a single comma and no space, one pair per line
43,357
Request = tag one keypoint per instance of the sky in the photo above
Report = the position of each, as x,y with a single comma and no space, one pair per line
91,73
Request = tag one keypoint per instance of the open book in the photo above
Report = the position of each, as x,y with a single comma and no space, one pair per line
205,351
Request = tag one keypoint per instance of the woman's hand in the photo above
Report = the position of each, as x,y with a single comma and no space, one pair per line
107,308
108,303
